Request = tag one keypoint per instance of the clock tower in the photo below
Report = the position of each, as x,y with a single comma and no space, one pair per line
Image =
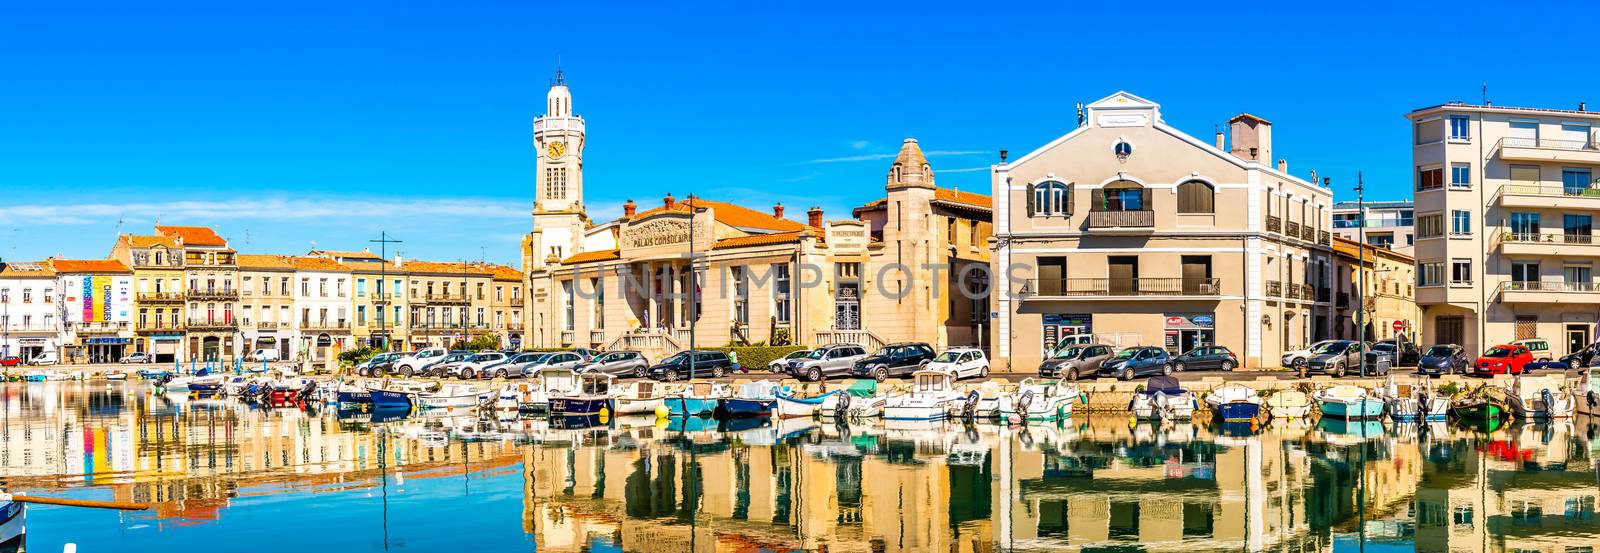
558,216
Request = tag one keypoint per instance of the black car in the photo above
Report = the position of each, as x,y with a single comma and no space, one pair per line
1205,358
1442,359
899,359
1582,358
714,364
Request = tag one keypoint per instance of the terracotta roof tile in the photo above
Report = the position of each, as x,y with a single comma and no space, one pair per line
960,197
1349,248
320,264
258,262
89,266
363,255
135,241
374,267
27,269
731,215
758,240
193,236
501,272
441,268
588,257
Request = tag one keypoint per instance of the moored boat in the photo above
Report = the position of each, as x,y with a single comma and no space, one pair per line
752,399
1288,404
860,401
639,396
697,399
1587,393
1163,398
1539,397
1234,403
1477,405
452,396
1348,402
932,397
592,396
1040,400
12,519
793,405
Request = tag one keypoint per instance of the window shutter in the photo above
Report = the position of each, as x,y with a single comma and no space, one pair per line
1031,207
1144,202
1097,199
1070,189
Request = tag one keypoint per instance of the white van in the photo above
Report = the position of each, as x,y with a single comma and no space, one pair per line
46,358
263,355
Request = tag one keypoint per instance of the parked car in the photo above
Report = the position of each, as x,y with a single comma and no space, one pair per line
586,353
900,359
826,362
136,357
1442,359
363,368
1338,357
1401,352
1137,361
518,364
413,364
10,361
263,354
1071,340
383,366
446,366
556,360
1205,358
961,363
46,358
1580,359
618,363
1075,361
484,364
1503,359
1297,359
1537,347
781,364
705,363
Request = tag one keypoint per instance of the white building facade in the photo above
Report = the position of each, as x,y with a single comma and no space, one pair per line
30,314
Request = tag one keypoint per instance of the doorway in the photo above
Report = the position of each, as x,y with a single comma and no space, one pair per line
1578,337
847,307
1123,273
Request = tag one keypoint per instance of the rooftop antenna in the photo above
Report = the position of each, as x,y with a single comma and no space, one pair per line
120,221
1486,93
559,79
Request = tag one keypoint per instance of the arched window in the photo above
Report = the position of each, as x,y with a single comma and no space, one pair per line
1050,199
1196,197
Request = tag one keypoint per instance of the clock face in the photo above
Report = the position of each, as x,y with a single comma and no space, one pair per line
556,149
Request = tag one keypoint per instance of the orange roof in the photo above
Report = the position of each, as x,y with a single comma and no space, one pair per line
758,240
443,268
957,196
258,262
374,267
501,272
27,269
1349,248
363,255
89,266
598,255
135,241
317,264
193,236
731,215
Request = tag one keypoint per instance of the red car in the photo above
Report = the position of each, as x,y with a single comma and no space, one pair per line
1504,359
10,361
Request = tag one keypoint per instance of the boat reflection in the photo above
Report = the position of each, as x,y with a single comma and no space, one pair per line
697,484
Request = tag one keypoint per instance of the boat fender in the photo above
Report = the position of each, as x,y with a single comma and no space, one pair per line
1024,402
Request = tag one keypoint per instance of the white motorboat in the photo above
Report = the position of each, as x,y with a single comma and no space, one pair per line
1289,404
552,381
793,404
1040,400
1163,398
12,519
1234,403
932,397
592,395
860,401
638,397
1413,402
452,396
1539,397
1587,393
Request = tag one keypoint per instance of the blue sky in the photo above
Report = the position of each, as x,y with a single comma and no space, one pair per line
288,123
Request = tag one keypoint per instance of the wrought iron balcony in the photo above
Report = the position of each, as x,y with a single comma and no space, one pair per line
1274,223
1117,287
1122,219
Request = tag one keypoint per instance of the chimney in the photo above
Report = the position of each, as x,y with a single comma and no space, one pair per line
777,210
1283,166
1222,141
1583,106
629,208
669,201
814,217
1252,138
399,261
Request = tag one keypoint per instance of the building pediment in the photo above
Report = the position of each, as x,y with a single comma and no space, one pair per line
666,232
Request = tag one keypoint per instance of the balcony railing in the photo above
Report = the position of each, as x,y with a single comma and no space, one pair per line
204,294
1091,287
1274,223
1307,293
1274,289
1553,190
1291,229
160,326
1122,219
567,336
1324,295
1342,300
446,298
101,326
1561,237
151,297
1291,292
597,336
1544,286
325,326
218,324
268,325
1326,239
18,327
1308,234
1549,144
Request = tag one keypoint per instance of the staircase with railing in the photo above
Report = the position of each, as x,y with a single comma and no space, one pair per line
863,338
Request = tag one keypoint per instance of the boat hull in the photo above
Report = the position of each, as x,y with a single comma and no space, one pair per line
569,406
1483,410
351,399
796,408
690,406
631,406
1290,411
12,518
740,407
1236,411
387,399
1357,409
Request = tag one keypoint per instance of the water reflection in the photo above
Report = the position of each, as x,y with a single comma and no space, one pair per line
220,468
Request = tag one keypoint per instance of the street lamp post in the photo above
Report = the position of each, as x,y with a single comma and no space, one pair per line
694,315
1361,292
383,275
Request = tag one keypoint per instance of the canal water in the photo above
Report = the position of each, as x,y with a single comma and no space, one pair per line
224,475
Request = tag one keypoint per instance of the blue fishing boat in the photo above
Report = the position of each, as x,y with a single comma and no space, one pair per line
389,399
698,400
353,398
592,396
1349,402
754,399
1234,403
12,517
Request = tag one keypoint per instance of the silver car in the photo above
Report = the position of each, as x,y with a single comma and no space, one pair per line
478,365
558,360
827,361
619,363
1072,362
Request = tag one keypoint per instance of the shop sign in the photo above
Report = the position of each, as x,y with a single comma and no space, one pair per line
1190,321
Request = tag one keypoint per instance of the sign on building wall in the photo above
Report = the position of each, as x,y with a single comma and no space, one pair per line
98,299
847,237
